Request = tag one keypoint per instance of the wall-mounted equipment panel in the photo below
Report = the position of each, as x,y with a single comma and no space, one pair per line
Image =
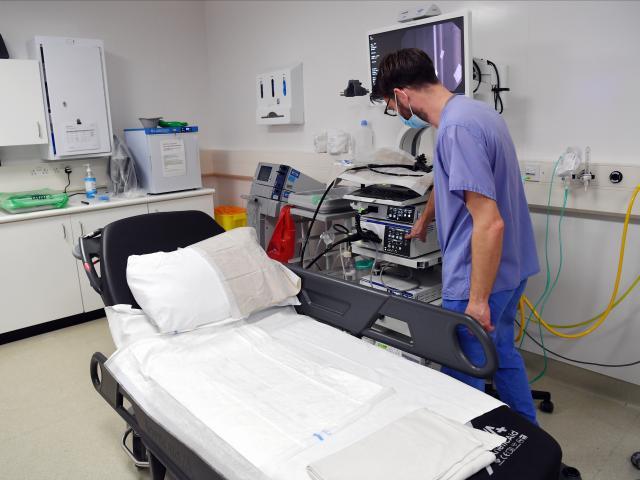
76,96
280,99
608,191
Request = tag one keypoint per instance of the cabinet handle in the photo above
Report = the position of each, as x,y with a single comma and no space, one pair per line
81,229
64,231
39,131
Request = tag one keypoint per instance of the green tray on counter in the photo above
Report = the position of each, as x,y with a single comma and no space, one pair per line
32,201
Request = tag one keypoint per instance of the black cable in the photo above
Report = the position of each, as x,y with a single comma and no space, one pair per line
372,169
313,220
339,228
606,365
68,180
497,99
328,249
476,68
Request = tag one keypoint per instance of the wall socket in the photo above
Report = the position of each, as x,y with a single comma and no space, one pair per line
34,176
46,170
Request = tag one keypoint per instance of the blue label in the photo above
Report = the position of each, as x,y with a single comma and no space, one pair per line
162,131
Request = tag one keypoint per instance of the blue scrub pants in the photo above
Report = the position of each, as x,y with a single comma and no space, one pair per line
511,378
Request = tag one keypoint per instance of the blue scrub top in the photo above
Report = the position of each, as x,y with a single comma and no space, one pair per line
475,152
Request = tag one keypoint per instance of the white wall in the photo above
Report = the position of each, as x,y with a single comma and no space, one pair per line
155,54
573,70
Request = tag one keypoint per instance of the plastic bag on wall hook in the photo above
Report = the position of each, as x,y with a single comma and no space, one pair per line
569,162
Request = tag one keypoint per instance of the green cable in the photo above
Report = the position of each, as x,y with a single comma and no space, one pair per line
553,286
546,253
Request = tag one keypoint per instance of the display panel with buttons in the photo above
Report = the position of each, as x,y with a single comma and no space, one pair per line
401,214
395,243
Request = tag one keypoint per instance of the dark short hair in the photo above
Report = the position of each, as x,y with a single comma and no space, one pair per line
409,67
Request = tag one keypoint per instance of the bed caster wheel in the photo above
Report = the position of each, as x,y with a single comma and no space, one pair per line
546,406
635,460
570,473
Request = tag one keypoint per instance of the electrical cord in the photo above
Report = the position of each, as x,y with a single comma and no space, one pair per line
633,285
67,170
373,265
476,68
412,287
553,285
606,365
612,300
419,165
546,248
327,250
497,89
373,169
313,220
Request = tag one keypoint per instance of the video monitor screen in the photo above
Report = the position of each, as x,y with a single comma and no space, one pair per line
442,40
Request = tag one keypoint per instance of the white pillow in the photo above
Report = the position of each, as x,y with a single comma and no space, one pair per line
226,276
178,290
251,279
128,324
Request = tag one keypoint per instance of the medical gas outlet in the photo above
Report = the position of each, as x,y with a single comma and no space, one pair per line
279,96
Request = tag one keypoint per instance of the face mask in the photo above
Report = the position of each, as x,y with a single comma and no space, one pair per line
413,121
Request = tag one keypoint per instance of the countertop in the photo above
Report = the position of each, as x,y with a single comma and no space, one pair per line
75,204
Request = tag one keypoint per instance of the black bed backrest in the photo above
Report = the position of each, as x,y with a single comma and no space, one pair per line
153,232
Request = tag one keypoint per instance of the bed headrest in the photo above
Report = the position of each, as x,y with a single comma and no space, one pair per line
153,232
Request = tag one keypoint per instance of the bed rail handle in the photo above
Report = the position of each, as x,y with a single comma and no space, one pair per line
109,389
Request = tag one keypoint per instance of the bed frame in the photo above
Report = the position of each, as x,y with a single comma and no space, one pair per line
344,305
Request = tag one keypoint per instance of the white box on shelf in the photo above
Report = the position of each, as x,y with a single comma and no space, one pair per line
279,95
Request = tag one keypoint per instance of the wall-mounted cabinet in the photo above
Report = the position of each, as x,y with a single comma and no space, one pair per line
74,83
22,116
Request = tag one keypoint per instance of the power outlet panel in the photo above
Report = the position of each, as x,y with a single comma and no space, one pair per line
34,176
608,193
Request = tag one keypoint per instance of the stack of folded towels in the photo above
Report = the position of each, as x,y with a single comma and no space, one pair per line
419,446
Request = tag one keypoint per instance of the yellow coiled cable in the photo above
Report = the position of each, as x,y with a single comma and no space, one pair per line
599,319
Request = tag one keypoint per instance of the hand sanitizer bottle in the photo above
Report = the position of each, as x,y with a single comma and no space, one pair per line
90,183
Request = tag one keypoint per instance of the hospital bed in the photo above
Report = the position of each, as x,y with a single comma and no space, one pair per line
160,438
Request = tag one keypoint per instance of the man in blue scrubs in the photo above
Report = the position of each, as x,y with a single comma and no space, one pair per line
480,209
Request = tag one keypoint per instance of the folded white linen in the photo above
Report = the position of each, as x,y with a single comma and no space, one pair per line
420,445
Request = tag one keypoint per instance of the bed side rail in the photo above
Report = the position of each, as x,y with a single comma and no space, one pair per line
166,452
356,309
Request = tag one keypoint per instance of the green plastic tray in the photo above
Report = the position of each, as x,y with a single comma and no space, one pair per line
22,202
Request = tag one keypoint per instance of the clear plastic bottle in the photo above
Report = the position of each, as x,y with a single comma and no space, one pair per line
89,183
349,266
364,140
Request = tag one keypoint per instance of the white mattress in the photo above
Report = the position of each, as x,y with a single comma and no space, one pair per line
383,388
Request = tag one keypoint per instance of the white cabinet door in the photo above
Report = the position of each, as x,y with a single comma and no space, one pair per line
203,203
83,223
77,95
21,105
39,280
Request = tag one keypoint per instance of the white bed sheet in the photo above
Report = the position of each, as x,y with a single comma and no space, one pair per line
413,387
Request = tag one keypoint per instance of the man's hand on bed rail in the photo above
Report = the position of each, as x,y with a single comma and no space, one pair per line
481,313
